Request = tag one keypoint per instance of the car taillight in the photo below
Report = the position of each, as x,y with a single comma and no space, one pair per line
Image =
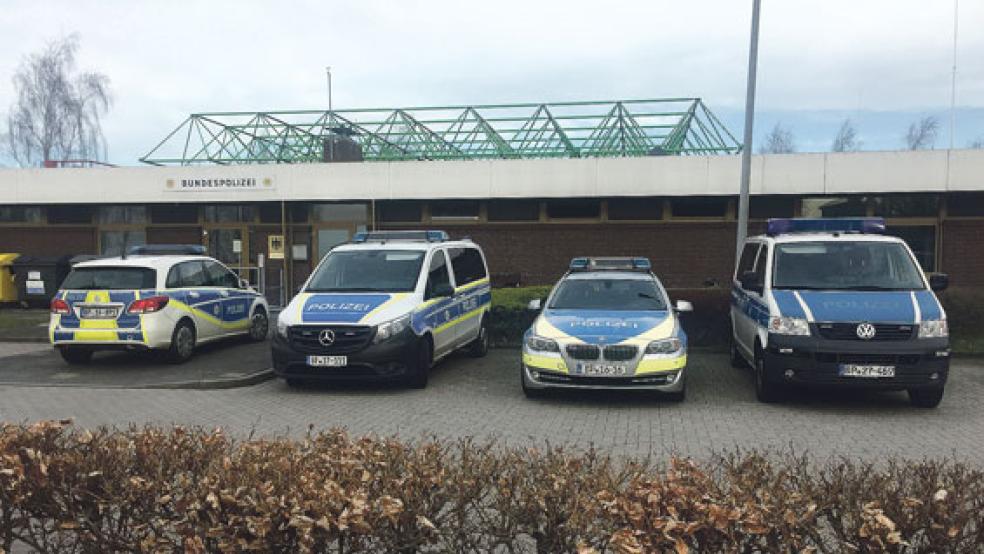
148,305
59,306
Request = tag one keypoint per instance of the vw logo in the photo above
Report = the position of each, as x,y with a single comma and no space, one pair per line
865,331
326,337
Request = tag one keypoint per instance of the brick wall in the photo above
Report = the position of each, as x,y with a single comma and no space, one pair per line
48,241
683,254
963,252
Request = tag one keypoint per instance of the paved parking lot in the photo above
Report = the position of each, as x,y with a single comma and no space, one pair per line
482,398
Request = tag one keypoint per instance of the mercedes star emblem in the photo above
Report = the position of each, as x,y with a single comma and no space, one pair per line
327,337
866,331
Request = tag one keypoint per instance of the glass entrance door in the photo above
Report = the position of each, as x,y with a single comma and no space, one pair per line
227,244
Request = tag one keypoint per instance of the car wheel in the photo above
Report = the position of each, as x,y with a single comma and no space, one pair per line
530,392
926,398
75,355
419,370
182,343
765,390
259,326
480,346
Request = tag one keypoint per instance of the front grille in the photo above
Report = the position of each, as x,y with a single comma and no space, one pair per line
348,338
868,359
621,352
583,351
849,331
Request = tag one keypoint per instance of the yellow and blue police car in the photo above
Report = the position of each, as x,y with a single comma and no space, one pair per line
385,306
163,297
608,324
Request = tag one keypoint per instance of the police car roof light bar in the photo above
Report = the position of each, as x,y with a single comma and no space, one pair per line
610,264
383,236
873,225
167,250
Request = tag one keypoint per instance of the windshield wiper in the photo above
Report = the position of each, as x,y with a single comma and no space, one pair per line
863,288
362,289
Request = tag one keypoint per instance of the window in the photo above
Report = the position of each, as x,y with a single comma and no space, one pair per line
222,245
340,212
467,264
608,294
454,209
764,207
368,271
699,206
110,278
403,211
115,243
760,262
747,261
437,275
225,213
965,204
20,214
635,208
513,210
121,215
573,209
907,205
847,206
187,275
69,214
844,265
219,276
174,213
921,239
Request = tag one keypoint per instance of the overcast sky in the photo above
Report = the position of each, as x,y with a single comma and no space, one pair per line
167,59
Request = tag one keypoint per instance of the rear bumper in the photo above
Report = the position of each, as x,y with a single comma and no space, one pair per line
390,359
919,363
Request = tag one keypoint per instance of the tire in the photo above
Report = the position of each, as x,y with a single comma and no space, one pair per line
182,343
529,392
75,355
480,346
765,390
259,326
926,398
419,370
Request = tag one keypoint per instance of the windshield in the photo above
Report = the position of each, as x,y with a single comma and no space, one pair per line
862,265
110,278
608,294
368,271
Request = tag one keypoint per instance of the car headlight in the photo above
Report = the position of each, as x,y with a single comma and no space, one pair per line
665,347
933,329
541,344
281,327
783,325
391,328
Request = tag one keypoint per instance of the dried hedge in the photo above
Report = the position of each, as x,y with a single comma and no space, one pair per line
175,489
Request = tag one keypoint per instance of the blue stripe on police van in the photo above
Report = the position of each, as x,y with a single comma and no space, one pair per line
929,307
889,307
788,304
754,308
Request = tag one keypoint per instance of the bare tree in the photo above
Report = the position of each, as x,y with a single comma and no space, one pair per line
778,141
976,143
57,111
922,133
846,139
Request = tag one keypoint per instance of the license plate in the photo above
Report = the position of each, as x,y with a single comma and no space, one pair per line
876,371
98,313
327,361
606,370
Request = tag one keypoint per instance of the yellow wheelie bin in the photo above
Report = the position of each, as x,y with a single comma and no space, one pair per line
8,288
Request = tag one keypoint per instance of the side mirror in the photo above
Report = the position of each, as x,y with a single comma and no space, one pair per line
939,281
443,290
683,306
535,305
750,281
243,284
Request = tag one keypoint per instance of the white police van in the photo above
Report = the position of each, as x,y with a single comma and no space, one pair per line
835,302
160,297
607,324
385,306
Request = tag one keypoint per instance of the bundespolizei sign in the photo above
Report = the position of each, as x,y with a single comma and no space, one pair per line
219,184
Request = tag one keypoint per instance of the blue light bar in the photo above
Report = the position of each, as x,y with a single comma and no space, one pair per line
610,264
826,225
579,263
167,250
381,236
642,263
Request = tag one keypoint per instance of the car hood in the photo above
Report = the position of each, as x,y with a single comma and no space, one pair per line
605,326
878,306
347,308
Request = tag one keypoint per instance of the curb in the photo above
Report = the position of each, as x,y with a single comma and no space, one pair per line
23,339
213,384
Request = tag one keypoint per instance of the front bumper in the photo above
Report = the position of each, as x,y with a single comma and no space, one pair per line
543,372
389,359
919,363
